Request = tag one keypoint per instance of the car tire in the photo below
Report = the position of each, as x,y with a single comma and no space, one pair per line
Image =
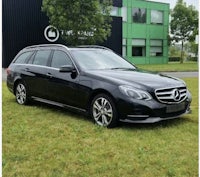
21,93
103,111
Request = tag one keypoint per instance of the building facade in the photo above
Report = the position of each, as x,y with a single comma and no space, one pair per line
145,31
139,29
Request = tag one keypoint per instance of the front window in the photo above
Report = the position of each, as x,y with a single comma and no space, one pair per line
138,47
156,47
59,59
156,17
139,15
91,59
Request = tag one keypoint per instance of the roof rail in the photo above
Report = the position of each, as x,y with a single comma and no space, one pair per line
47,45
93,46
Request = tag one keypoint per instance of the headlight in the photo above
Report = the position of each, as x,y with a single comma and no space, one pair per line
134,93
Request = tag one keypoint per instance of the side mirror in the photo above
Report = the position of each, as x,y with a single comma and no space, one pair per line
66,69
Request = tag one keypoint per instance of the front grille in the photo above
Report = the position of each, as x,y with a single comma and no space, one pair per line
171,95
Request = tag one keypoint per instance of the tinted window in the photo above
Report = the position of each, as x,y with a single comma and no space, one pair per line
30,60
59,59
22,58
41,57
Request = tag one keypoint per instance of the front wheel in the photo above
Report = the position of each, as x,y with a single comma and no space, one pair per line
103,111
21,93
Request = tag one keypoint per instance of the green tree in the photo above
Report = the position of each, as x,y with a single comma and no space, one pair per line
174,51
184,24
81,21
195,21
192,47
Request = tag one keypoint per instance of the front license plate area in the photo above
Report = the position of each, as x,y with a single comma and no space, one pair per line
175,107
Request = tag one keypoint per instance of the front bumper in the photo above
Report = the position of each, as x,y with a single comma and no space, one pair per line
147,119
140,111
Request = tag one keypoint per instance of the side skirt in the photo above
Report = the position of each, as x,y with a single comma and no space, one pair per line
58,104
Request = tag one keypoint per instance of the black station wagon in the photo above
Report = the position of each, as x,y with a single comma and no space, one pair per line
95,80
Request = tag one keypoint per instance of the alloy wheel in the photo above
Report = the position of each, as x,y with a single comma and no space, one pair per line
102,111
21,96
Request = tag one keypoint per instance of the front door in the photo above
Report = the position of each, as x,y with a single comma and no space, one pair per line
62,86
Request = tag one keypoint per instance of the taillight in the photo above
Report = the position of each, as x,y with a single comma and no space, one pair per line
8,71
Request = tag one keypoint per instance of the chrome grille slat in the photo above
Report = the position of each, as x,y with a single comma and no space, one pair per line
167,95
166,98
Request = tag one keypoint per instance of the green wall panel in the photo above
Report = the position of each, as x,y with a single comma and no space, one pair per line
138,31
129,15
156,31
140,3
124,31
137,60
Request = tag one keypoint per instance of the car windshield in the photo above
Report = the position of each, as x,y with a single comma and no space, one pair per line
100,59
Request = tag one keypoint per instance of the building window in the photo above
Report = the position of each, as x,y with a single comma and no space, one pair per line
156,48
138,47
156,17
124,14
114,11
124,48
139,15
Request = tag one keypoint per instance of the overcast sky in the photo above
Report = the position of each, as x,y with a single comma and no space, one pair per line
173,3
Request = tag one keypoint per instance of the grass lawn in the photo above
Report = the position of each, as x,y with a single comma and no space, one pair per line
46,141
171,66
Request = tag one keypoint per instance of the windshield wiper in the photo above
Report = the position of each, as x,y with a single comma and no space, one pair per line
123,68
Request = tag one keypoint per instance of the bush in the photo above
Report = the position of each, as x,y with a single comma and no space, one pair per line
173,59
192,58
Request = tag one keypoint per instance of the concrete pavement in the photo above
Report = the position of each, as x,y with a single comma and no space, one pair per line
181,74
4,75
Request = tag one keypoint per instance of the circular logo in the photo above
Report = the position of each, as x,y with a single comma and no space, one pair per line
51,33
176,94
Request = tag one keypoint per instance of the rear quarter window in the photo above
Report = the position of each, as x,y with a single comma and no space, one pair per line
21,59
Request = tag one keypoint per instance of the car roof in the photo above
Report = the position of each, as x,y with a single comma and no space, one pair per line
43,46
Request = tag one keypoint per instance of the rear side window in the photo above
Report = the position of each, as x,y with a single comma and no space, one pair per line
41,57
22,58
59,59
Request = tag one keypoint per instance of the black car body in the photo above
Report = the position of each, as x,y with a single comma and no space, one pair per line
94,79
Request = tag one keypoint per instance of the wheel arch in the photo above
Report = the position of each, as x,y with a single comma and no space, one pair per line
114,118
16,82
97,92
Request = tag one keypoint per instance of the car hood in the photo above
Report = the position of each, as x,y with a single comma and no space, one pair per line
137,78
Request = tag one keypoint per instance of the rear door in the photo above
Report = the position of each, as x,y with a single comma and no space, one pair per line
36,78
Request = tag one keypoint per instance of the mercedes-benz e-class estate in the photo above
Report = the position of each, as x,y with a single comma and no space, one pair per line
95,80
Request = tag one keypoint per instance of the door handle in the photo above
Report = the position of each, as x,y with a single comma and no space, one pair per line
49,75
26,69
